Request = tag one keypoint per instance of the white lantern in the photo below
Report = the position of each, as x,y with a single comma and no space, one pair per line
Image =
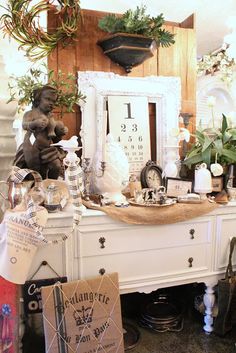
202,181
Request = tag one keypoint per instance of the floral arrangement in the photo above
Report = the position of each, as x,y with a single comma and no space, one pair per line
21,22
217,62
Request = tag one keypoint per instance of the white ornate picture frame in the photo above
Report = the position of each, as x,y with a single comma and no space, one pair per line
165,92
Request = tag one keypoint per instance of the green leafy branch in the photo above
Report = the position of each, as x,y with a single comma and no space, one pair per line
21,88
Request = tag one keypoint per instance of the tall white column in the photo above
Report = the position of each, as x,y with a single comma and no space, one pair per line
7,116
7,135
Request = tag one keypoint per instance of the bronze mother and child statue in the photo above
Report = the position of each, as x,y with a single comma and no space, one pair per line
42,130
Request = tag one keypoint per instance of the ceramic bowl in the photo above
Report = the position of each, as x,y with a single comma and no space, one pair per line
231,193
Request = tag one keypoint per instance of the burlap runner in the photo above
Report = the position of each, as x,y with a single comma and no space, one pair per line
155,215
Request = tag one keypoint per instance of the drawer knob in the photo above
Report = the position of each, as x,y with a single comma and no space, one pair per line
191,232
190,261
102,241
102,271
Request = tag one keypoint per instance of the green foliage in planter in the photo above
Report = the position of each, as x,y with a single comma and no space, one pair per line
21,88
138,22
213,144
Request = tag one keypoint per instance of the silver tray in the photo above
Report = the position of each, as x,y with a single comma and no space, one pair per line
171,202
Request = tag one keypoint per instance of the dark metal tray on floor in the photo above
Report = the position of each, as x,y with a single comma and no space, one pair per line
162,314
131,335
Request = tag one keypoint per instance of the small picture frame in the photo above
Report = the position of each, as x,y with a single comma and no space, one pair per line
217,184
177,187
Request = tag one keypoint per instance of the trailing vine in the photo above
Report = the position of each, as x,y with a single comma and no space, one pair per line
21,22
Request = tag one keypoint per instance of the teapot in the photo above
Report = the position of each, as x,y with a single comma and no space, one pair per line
16,192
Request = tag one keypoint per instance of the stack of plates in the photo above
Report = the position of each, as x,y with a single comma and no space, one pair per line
162,314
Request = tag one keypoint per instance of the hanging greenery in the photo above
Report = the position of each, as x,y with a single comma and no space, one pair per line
138,22
21,21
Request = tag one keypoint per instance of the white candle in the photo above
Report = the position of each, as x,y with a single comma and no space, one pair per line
104,134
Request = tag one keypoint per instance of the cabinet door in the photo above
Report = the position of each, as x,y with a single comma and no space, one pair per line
225,230
54,255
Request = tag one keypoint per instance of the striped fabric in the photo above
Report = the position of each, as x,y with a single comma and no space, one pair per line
75,180
17,175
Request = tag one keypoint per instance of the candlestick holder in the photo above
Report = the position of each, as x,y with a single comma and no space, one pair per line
99,173
88,171
113,176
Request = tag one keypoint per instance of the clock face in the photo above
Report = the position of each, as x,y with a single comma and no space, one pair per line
129,125
153,178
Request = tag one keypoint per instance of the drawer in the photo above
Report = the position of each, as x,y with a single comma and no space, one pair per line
135,238
225,230
168,262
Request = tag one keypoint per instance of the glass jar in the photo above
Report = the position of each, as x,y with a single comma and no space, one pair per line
37,194
52,198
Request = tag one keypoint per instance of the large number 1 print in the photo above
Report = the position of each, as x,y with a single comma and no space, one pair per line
128,111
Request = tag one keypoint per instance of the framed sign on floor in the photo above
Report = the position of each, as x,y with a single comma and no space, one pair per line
83,316
9,316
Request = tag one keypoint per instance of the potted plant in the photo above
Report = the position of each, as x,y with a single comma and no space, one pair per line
213,146
21,88
134,37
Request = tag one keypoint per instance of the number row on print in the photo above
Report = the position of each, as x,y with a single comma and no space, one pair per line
139,147
131,138
128,154
136,166
123,128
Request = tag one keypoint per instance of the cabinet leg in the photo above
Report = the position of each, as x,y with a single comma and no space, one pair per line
209,301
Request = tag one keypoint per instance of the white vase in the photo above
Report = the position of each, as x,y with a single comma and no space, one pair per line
116,173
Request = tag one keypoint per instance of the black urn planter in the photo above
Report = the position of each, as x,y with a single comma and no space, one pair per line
128,50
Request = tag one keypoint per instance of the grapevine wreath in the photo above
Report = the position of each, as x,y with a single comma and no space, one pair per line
21,21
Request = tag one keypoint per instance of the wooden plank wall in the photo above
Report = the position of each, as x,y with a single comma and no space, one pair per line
85,54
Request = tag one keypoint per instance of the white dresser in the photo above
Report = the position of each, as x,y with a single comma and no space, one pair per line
146,257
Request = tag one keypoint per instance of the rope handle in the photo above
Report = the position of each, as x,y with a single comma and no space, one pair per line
44,263
17,175
229,270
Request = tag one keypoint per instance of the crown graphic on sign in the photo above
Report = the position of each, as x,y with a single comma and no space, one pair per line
83,316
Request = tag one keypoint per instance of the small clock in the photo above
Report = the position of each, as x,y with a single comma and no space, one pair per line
151,176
